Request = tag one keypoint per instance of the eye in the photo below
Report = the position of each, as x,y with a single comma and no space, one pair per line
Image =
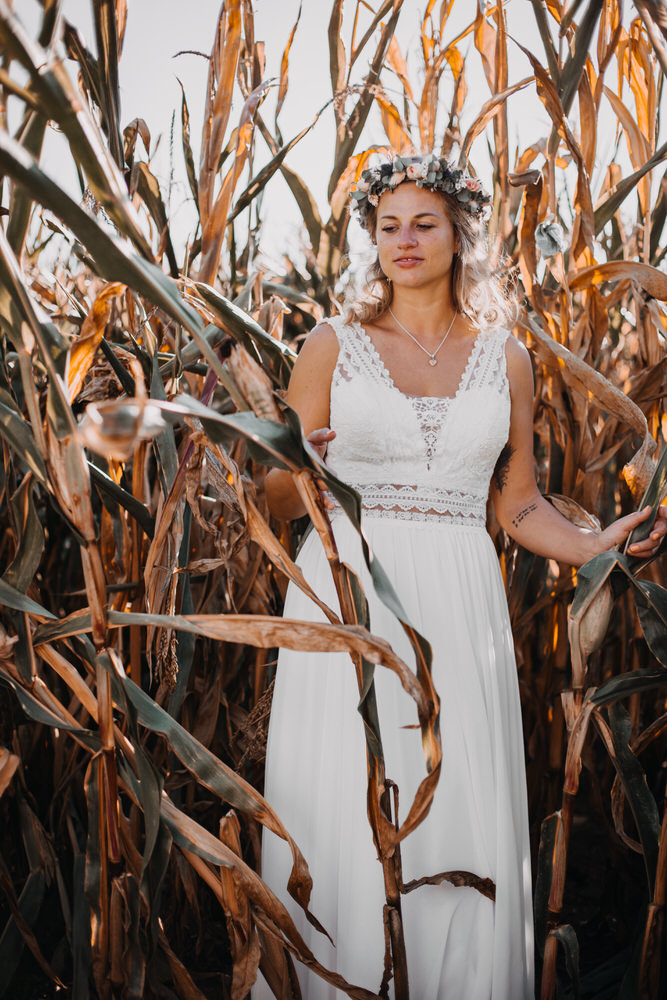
425,225
388,229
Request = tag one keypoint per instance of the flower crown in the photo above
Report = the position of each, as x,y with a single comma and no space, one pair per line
432,172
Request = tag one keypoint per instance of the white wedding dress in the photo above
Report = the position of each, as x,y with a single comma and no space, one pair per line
422,467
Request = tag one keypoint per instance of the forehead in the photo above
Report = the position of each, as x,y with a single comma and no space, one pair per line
408,199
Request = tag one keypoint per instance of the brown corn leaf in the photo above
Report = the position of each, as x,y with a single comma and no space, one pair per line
213,233
588,119
651,279
485,43
350,175
187,990
243,940
393,124
221,76
582,377
583,232
337,61
267,909
284,69
400,67
26,930
638,146
489,110
527,247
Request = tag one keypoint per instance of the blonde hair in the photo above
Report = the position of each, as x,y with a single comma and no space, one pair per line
482,291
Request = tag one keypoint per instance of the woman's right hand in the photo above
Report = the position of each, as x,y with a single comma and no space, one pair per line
320,439
308,394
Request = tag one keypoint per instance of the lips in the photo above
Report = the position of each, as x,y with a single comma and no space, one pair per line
407,260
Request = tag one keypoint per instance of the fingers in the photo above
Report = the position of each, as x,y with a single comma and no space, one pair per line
321,436
649,545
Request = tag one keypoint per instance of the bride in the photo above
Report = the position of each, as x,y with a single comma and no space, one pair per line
422,400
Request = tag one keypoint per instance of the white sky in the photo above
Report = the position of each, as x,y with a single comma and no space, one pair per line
159,29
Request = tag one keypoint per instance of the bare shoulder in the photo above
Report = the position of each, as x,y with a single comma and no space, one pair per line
319,351
314,368
321,340
519,366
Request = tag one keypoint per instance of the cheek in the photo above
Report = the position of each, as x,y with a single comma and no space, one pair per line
383,249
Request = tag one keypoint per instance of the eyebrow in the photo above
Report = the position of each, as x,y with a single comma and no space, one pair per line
420,215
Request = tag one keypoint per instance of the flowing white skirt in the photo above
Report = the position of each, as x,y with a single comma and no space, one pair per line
460,945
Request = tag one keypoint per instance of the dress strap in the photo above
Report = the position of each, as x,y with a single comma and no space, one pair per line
339,327
487,365
357,354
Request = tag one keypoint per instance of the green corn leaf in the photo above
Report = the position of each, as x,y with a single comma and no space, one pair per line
632,682
545,860
134,507
112,256
11,943
17,435
640,799
19,574
10,597
567,938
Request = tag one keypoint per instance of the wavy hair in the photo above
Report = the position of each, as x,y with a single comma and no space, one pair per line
481,291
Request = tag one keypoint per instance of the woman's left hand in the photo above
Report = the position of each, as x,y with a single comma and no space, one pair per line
617,533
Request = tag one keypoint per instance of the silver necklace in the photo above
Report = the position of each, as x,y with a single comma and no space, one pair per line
432,360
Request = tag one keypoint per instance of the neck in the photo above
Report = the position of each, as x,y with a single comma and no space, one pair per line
424,316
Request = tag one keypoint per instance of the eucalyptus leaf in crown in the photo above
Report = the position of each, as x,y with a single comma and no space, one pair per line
431,172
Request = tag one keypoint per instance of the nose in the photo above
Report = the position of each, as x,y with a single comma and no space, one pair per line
406,236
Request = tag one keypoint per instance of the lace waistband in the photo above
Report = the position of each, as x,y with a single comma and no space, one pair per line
421,503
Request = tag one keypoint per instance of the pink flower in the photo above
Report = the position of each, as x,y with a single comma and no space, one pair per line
472,183
396,179
362,185
373,200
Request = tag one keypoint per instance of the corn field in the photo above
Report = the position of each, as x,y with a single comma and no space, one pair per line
141,403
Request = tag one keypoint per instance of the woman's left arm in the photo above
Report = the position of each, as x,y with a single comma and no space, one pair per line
522,510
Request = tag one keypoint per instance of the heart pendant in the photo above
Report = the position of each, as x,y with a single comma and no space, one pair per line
432,362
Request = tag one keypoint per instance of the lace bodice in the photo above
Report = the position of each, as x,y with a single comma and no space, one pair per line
418,457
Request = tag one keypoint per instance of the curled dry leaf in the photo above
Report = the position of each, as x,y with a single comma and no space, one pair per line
592,628
83,349
114,429
254,384
8,764
7,644
586,632
524,177
573,511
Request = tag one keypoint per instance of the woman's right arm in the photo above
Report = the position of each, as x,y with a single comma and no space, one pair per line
308,393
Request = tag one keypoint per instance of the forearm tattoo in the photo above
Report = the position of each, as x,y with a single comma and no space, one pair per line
516,521
502,467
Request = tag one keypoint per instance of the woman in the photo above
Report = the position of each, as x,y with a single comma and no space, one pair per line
423,402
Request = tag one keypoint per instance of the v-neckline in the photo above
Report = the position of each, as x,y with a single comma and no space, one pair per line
384,371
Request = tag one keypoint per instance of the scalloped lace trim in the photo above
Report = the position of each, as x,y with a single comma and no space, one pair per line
421,503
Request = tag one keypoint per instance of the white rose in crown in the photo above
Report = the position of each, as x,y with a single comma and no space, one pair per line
396,179
362,185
